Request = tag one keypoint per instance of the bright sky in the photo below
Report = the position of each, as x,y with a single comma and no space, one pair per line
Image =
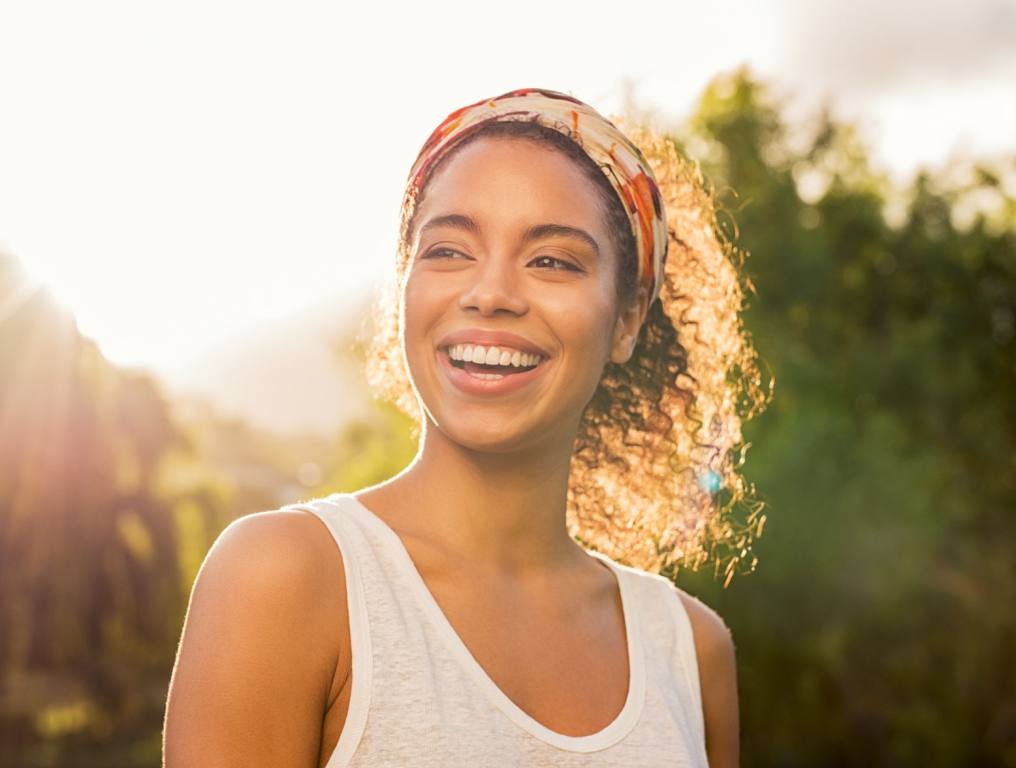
178,171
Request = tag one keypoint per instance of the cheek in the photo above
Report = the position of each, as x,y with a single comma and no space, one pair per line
420,298
585,322
424,301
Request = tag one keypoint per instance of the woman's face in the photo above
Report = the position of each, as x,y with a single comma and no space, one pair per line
510,239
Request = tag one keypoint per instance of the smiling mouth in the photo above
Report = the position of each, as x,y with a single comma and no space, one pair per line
480,369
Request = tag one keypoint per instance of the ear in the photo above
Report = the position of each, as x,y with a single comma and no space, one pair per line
626,329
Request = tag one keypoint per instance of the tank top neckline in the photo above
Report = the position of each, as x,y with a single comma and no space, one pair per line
610,734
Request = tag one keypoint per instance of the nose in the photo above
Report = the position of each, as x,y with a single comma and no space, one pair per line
494,288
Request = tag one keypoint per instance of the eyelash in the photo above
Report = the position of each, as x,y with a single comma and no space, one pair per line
431,254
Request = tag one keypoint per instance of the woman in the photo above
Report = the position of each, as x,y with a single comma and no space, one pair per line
463,612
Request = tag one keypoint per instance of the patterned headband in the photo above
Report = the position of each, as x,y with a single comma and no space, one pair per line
619,159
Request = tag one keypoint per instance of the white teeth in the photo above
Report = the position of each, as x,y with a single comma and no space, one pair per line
475,353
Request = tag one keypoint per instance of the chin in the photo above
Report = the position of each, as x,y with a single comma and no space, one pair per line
488,435
485,434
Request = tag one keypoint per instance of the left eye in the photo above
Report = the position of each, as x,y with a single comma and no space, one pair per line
563,264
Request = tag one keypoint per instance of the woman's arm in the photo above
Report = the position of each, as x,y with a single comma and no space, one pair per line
259,648
714,647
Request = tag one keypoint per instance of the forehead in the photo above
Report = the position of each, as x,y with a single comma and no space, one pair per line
509,178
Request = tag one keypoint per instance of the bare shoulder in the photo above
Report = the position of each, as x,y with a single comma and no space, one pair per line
265,562
260,646
287,547
717,667
713,638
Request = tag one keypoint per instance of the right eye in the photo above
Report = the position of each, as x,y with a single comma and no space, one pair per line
441,253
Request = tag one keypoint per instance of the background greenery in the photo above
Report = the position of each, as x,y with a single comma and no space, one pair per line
879,628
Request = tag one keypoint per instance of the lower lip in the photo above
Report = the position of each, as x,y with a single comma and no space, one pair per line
472,385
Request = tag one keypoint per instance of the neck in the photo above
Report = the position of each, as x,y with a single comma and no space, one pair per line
502,511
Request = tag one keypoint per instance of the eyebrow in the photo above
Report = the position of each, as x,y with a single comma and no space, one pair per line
535,232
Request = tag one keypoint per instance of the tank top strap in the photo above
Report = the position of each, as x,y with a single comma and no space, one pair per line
688,656
669,624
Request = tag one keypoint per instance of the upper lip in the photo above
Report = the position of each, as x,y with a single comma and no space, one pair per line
491,339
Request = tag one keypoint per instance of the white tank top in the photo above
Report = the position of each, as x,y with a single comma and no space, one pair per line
420,698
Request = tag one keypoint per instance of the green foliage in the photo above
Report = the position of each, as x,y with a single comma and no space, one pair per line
880,626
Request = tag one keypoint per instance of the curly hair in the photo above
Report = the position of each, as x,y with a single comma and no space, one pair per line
654,478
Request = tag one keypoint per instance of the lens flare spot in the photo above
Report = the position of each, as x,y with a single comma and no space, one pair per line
710,481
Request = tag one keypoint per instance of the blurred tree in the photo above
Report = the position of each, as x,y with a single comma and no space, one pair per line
880,628
91,600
